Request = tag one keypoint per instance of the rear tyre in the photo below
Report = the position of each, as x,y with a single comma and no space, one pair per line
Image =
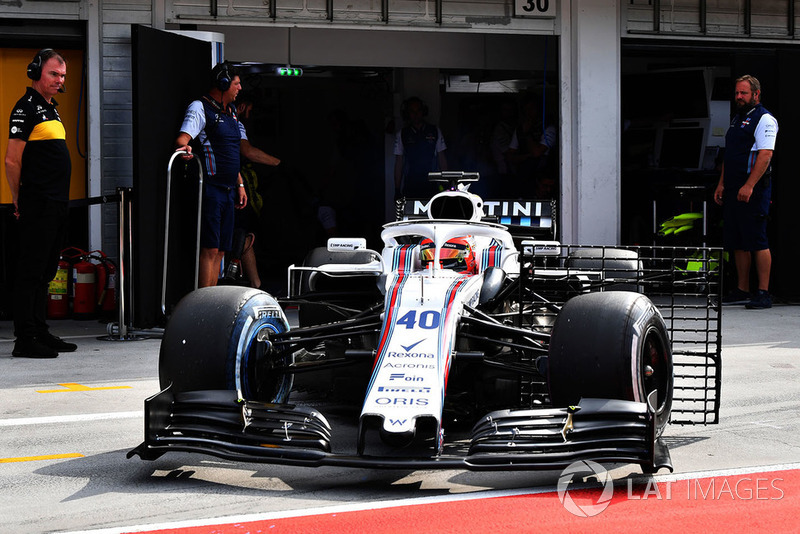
211,342
611,345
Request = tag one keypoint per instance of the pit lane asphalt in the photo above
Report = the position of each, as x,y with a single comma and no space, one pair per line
68,423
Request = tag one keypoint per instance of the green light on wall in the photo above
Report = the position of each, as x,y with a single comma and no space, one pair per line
289,71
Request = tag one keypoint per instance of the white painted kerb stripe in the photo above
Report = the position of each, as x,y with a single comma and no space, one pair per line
77,418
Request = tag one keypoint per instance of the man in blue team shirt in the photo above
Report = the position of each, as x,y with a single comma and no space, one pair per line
213,121
419,148
744,192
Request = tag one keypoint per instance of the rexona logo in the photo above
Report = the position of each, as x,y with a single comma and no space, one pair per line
408,348
581,469
426,355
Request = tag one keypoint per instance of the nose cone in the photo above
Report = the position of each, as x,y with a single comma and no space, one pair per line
397,440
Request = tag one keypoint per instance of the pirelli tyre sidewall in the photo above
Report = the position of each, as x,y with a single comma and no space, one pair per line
612,345
211,342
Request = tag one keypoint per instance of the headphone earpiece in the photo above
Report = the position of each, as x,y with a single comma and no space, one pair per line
223,79
35,66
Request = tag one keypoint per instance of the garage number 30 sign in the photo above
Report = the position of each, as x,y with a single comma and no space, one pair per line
535,8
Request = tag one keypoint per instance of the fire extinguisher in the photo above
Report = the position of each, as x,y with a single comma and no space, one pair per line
57,298
105,288
83,289
71,255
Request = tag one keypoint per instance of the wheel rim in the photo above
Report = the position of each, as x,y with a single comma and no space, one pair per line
656,369
258,375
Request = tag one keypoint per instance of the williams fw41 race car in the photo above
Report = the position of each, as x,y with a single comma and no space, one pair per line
467,342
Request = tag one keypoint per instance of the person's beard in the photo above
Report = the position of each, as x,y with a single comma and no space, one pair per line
743,108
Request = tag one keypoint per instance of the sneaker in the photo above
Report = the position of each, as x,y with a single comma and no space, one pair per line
32,348
56,343
737,296
761,300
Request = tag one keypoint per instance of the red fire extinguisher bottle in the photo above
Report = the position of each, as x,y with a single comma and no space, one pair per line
57,299
83,287
105,287
108,305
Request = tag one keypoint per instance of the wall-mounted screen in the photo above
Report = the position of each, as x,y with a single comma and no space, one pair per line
682,148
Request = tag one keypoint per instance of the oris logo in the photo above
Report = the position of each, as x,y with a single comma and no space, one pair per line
400,401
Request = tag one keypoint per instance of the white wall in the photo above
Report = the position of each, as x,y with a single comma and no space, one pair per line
590,122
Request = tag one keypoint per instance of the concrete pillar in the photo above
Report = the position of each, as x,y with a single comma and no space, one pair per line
590,122
94,150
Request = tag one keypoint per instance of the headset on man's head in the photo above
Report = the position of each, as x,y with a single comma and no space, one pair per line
222,76
35,66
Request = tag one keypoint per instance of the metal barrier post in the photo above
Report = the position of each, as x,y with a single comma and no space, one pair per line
166,228
121,331
123,260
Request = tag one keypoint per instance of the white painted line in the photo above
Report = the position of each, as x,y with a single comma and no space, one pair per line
360,507
25,421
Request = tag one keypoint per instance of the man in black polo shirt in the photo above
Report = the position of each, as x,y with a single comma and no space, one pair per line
38,169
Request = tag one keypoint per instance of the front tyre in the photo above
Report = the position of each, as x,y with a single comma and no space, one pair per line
217,338
611,345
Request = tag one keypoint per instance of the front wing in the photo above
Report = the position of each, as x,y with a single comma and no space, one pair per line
216,423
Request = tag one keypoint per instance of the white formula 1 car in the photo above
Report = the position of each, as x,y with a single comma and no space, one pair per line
463,344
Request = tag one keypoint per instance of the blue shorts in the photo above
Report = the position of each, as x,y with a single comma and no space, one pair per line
745,223
216,226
